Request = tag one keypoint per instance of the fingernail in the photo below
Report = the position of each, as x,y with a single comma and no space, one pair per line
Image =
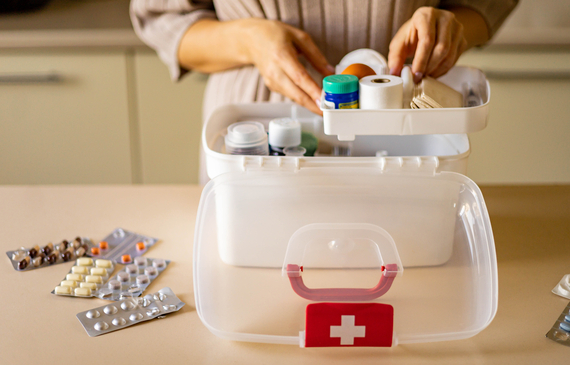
330,69
418,77
394,71
318,102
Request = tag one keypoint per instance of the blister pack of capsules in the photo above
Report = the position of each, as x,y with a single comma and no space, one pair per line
560,331
133,279
25,259
122,246
86,278
129,311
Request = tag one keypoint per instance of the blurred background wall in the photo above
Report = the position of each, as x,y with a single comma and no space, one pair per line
83,101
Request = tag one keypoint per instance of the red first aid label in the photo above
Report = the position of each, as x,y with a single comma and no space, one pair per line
349,324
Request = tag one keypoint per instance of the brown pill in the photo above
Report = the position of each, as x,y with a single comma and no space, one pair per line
65,243
78,239
85,247
47,249
66,256
32,252
61,247
24,263
52,258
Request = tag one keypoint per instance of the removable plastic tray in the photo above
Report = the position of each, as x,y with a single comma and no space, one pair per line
349,123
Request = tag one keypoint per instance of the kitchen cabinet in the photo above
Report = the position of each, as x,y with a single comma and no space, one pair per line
527,140
169,120
64,117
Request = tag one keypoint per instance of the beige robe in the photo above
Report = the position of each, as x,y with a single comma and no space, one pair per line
336,26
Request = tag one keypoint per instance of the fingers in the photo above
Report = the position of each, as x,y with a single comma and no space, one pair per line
451,59
295,71
279,81
304,43
436,37
425,25
442,46
398,52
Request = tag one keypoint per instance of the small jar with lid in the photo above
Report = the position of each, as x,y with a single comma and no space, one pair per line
283,132
341,91
246,138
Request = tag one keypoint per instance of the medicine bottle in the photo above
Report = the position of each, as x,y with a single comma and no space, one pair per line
341,91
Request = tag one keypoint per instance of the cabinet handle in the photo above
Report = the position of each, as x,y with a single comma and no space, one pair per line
528,74
32,78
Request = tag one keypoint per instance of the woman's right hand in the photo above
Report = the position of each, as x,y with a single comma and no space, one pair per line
273,47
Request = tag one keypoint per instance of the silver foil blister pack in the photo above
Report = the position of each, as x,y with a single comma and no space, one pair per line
133,279
560,331
26,259
129,311
122,246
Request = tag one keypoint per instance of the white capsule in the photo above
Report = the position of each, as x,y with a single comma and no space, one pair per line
105,264
93,314
110,309
101,326
84,261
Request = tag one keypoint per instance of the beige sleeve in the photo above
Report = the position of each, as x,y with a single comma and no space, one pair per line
493,11
162,23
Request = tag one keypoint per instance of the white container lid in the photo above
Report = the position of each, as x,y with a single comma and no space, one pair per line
246,136
437,223
284,132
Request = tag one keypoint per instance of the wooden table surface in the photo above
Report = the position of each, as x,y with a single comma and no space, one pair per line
531,227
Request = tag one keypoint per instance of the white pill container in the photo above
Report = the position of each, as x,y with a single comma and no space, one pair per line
246,138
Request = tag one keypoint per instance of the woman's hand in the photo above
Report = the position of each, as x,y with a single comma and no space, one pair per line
273,47
436,39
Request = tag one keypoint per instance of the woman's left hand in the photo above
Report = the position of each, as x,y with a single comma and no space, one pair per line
436,39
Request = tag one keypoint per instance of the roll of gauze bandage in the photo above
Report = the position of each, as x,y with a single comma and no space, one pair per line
381,92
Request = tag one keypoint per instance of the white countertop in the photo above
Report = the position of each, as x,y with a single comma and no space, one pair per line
530,225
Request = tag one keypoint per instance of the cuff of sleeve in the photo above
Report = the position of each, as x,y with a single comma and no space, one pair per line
493,12
164,33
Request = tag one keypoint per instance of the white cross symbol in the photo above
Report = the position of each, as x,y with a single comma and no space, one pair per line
347,331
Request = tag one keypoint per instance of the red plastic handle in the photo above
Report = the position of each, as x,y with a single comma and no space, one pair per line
341,294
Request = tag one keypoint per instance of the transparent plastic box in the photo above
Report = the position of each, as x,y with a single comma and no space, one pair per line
276,237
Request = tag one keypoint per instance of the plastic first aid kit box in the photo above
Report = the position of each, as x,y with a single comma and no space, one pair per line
343,251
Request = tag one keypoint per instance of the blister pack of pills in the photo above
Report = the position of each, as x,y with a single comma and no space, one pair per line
25,259
560,331
86,278
122,246
130,311
563,287
133,279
